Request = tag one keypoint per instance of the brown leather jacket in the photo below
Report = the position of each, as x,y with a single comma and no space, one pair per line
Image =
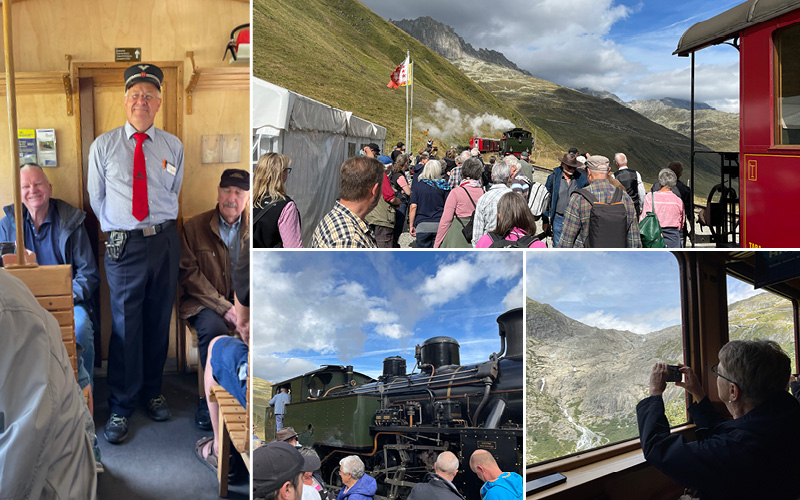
205,266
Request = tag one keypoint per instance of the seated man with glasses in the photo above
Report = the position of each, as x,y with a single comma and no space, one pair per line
754,455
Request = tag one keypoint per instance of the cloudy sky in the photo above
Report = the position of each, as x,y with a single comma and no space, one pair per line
635,291
624,47
357,308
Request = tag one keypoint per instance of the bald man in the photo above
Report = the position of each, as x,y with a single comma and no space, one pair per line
497,485
438,485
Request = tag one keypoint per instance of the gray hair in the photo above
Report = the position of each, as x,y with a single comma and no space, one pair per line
500,172
352,465
759,367
620,159
432,171
472,169
447,462
463,157
512,161
32,166
667,178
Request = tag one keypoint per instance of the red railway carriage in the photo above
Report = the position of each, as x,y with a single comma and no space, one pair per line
767,35
485,145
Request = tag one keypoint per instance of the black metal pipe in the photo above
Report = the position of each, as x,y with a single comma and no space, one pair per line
493,420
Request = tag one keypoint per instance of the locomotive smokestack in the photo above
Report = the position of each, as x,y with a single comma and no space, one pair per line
512,331
349,373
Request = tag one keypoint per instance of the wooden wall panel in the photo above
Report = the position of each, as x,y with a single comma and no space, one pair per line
89,30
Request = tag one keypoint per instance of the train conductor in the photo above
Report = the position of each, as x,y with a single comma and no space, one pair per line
135,176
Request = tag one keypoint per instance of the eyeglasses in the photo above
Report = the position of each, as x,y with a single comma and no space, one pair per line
146,97
718,374
288,170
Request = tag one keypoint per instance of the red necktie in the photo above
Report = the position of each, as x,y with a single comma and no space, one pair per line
140,209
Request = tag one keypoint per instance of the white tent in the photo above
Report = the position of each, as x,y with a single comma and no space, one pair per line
317,137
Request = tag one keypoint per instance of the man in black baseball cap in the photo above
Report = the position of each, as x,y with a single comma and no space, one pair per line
278,471
209,253
398,150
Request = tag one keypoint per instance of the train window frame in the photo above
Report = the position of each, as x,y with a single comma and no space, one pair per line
778,106
591,465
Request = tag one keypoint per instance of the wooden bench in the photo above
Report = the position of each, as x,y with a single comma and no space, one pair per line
234,428
52,287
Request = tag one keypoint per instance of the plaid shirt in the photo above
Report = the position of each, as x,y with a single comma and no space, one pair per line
576,218
341,228
455,177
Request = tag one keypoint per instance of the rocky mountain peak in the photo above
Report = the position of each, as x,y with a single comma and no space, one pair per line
444,40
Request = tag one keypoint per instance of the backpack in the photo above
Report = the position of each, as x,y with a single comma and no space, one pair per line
538,199
608,222
498,242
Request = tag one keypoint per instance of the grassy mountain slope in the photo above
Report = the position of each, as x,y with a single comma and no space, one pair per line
592,124
261,397
341,53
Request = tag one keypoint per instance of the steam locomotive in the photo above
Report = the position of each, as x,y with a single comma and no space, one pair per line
399,423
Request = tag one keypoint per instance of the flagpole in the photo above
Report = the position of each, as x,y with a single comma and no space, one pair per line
408,83
411,105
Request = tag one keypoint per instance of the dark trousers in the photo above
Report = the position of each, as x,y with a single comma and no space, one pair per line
142,284
208,324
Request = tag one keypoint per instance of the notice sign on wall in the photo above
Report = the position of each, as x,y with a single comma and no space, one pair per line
127,54
27,145
37,146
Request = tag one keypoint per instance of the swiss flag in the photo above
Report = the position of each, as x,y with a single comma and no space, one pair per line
400,75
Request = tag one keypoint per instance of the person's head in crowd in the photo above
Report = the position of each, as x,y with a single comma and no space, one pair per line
513,212
142,95
432,171
451,154
424,157
501,172
36,189
513,164
288,435
269,178
750,372
233,193
351,468
525,155
483,464
446,465
472,169
386,161
597,167
401,164
475,152
463,157
278,472
581,159
569,163
371,150
573,151
492,159
400,146
676,167
361,179
667,178
620,159
312,463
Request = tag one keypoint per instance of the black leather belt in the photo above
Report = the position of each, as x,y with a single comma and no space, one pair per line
150,231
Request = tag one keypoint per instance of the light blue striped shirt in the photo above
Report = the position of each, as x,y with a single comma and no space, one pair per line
230,235
110,179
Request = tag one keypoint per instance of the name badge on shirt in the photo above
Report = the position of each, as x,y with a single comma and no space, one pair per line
169,167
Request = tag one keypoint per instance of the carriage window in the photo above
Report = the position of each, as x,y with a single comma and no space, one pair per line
596,324
756,314
787,82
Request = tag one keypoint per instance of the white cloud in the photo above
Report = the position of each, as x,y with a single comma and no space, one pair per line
641,324
514,297
274,369
456,278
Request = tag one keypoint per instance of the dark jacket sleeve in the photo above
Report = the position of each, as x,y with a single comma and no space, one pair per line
86,277
548,185
688,463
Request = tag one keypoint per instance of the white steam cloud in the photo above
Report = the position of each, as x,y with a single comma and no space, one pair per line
446,124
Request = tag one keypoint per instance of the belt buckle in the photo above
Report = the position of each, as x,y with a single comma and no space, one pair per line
149,231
